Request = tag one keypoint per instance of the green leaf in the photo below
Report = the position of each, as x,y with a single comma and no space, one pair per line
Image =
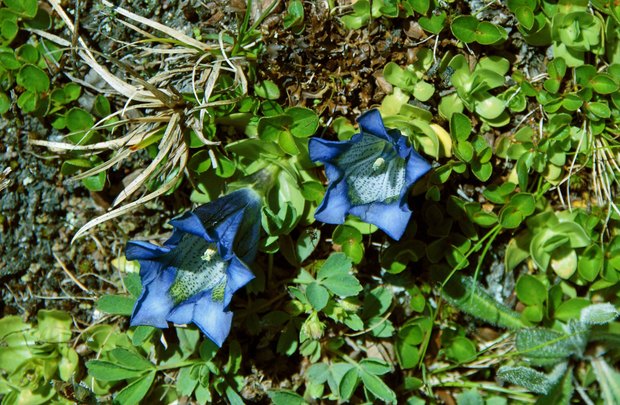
267,89
335,265
374,384
33,78
461,350
54,326
490,34
108,371
529,378
546,347
270,128
489,107
5,103
359,17
460,126
134,392
591,262
9,29
26,8
305,121
598,314
28,101
285,397
78,122
435,23
349,383
510,217
471,397
101,106
28,53
608,379
470,298
141,334
464,28
375,366
604,83
128,359
116,304
187,380
317,295
570,309
525,16
599,109
295,14
530,291
423,91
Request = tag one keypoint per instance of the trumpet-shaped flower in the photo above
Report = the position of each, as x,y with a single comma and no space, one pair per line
192,277
369,176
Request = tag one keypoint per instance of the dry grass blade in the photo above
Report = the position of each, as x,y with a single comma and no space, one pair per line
121,86
135,204
172,33
158,103
171,137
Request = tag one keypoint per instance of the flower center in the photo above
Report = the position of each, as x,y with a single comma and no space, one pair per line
373,171
199,268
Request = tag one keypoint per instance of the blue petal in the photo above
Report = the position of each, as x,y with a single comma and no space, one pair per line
390,218
238,275
140,250
371,123
335,204
154,303
321,150
212,319
190,223
417,167
183,313
233,220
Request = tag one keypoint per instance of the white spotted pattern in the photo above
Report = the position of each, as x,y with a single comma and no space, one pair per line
373,171
199,268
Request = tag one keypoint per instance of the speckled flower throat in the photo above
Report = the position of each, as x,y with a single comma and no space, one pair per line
199,268
373,171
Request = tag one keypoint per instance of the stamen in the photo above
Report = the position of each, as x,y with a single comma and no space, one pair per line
378,165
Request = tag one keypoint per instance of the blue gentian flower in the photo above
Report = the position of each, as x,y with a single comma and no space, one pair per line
192,277
369,176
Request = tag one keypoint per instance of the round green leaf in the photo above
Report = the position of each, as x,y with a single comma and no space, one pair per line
305,121
489,34
8,29
564,261
599,108
464,28
9,61
590,262
27,53
530,290
26,8
490,107
5,103
72,92
435,24
267,89
604,83
460,126
525,16
570,309
33,78
27,101
317,295
461,350
423,91
79,120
